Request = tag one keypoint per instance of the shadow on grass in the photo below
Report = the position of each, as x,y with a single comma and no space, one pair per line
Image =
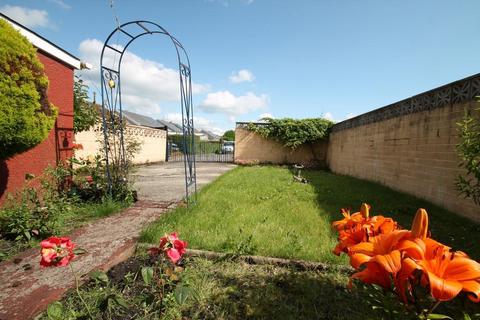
240,291
337,191
279,294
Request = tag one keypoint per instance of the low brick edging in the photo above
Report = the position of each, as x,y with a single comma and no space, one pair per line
300,265
26,289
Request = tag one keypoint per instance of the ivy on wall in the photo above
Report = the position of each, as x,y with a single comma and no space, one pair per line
293,132
26,115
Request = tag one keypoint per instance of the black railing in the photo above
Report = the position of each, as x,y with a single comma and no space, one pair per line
205,151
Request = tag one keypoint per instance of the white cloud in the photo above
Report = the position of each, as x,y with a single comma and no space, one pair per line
227,103
145,83
30,18
243,75
199,122
266,115
61,4
328,116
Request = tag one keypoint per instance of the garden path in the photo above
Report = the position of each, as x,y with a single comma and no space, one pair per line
26,289
166,181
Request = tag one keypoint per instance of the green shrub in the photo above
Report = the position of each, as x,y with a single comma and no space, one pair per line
229,135
85,114
293,132
26,116
28,216
469,152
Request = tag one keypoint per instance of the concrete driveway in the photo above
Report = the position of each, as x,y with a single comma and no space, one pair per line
166,181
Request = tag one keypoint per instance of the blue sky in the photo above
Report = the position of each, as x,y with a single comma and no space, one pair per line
304,58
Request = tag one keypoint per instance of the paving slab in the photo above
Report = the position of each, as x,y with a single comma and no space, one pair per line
166,181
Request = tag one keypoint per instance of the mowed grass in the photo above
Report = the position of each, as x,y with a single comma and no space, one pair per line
260,210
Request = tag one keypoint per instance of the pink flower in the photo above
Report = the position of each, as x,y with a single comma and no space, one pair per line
172,246
56,252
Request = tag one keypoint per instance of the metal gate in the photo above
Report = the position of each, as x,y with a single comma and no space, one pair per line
205,151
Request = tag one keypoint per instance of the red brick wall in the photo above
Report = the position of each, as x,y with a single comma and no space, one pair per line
59,142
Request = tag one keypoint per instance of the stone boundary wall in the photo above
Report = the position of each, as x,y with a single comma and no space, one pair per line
153,143
410,145
251,148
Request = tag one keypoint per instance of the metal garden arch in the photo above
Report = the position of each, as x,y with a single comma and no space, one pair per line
117,43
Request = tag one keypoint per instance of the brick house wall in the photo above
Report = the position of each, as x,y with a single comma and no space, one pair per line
58,145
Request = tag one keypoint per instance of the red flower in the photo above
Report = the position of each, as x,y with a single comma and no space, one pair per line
56,252
89,179
173,247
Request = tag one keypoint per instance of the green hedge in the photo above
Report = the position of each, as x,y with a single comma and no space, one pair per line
26,116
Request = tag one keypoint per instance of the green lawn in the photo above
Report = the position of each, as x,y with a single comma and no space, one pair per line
260,210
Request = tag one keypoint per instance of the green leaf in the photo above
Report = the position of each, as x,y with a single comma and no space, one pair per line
55,311
147,275
438,316
99,276
120,301
466,316
182,293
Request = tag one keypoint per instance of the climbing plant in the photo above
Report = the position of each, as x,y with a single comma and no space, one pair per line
293,132
26,115
469,151
85,115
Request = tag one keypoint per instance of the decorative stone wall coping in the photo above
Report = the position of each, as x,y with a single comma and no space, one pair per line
461,91
139,131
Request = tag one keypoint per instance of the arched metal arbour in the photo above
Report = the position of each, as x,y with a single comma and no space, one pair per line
112,98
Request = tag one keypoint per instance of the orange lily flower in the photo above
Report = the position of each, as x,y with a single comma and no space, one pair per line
420,224
350,220
350,237
448,273
380,269
383,245
360,227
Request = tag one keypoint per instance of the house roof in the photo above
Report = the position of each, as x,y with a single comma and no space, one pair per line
45,45
170,126
210,135
141,120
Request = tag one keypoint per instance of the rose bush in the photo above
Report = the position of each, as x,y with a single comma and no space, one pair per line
171,246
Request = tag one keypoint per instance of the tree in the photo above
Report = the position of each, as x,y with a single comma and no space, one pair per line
26,115
229,135
85,115
469,151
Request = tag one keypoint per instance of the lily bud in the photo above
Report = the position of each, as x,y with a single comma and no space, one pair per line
365,210
420,224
